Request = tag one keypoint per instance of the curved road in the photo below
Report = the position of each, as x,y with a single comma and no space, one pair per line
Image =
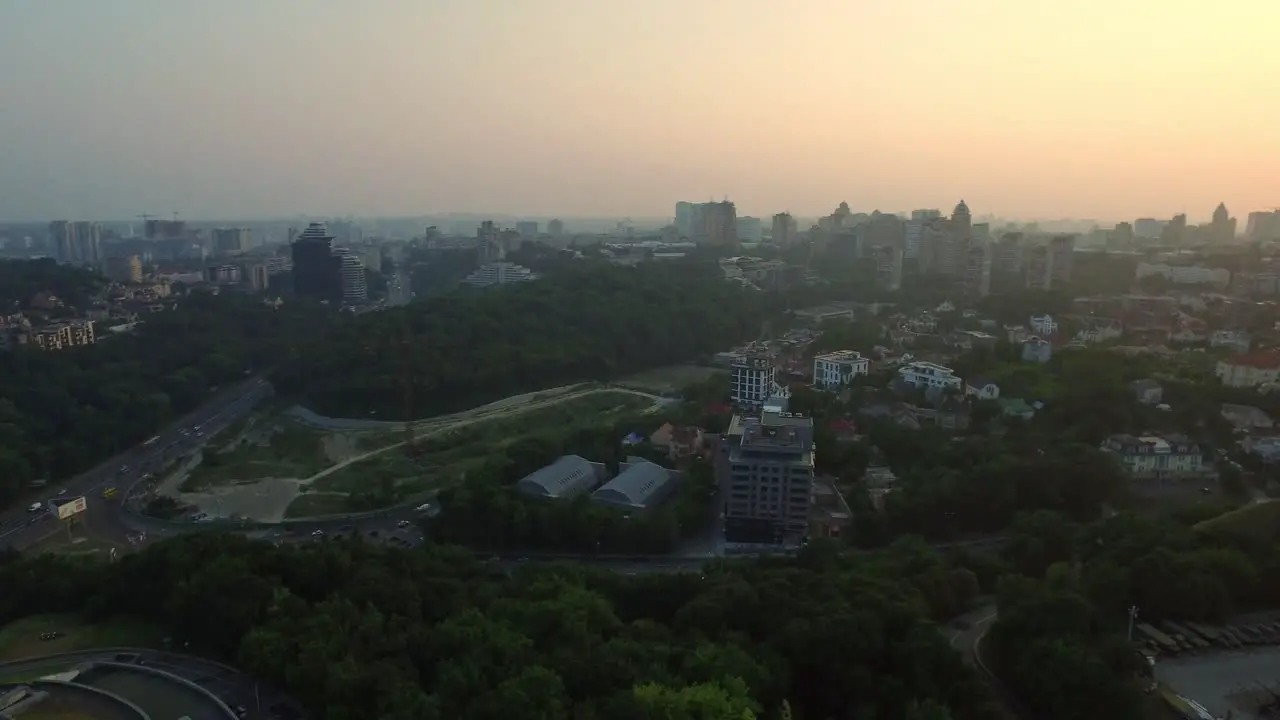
232,686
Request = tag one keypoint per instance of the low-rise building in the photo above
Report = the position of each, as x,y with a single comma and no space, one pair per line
678,442
1036,350
753,379
1246,417
1043,325
640,485
1016,408
1249,370
832,371
569,476
499,273
1147,391
1169,457
981,388
925,375
1235,340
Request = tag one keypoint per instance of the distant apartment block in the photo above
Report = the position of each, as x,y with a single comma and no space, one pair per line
764,467
499,273
1169,457
835,370
926,375
63,335
126,269
231,241
753,379
1249,370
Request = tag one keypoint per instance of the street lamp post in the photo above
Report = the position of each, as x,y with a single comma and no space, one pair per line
1133,615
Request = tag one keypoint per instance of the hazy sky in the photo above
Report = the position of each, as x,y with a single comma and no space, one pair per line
1106,109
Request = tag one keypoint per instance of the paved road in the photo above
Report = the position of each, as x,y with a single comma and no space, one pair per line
966,634
106,516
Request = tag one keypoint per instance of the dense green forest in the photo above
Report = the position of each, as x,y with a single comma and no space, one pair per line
355,631
592,321
1060,638
21,280
63,412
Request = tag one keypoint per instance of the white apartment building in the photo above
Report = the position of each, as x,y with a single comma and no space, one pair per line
1249,370
752,380
1043,325
499,273
1185,274
926,375
1154,457
835,370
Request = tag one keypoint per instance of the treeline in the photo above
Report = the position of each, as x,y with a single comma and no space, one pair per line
1060,639
588,322
22,280
63,412
355,631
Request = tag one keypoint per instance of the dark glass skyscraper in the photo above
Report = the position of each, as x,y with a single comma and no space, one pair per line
317,272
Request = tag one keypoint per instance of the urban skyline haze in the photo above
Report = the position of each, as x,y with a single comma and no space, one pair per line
1026,108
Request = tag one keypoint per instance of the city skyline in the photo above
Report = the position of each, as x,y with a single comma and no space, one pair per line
576,109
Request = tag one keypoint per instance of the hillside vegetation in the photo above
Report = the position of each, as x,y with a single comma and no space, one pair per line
589,322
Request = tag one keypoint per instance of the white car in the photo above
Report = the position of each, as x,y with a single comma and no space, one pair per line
35,507
403,524
318,533
424,507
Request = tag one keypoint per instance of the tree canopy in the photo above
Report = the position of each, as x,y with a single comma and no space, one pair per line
63,412
357,631
462,349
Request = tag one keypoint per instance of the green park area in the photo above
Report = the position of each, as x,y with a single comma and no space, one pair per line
1257,523
277,448
671,378
438,459
23,638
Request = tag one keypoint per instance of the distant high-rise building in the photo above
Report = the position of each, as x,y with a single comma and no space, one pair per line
163,229
528,229
255,275
785,231
1263,226
717,224
1222,231
489,247
127,269
926,214
888,261
76,243
977,271
317,272
1063,250
1174,232
685,216
231,241
355,289
555,228
1148,228
962,223
1122,235
1039,267
750,229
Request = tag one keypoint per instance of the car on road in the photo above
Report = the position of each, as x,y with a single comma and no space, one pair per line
109,493
317,533
403,524
424,507
35,507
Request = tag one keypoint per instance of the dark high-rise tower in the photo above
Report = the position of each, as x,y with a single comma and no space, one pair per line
317,272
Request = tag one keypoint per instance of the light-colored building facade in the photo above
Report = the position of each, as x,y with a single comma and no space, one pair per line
499,273
1169,457
1043,325
834,370
752,380
926,375
1249,370
1038,350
